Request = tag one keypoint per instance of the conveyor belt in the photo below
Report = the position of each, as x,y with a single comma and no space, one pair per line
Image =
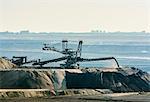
49,61
97,59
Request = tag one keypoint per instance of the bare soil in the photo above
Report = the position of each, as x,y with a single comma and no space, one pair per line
144,97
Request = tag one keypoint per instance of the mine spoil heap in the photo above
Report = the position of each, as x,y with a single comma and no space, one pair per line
6,64
115,79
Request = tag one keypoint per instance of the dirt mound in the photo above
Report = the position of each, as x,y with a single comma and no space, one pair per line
21,79
124,80
34,79
6,64
119,80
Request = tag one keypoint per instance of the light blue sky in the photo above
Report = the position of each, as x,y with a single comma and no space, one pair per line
75,15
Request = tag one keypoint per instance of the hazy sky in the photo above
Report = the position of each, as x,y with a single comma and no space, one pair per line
75,15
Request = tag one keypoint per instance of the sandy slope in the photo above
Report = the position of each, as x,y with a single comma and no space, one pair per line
5,64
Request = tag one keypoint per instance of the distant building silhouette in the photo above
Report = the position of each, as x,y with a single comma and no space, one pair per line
24,32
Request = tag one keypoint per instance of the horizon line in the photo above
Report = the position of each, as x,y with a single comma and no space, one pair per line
92,31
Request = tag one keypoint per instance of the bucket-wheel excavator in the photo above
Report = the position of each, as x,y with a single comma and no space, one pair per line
71,57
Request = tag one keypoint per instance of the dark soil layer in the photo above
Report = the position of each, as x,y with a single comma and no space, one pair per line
117,82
